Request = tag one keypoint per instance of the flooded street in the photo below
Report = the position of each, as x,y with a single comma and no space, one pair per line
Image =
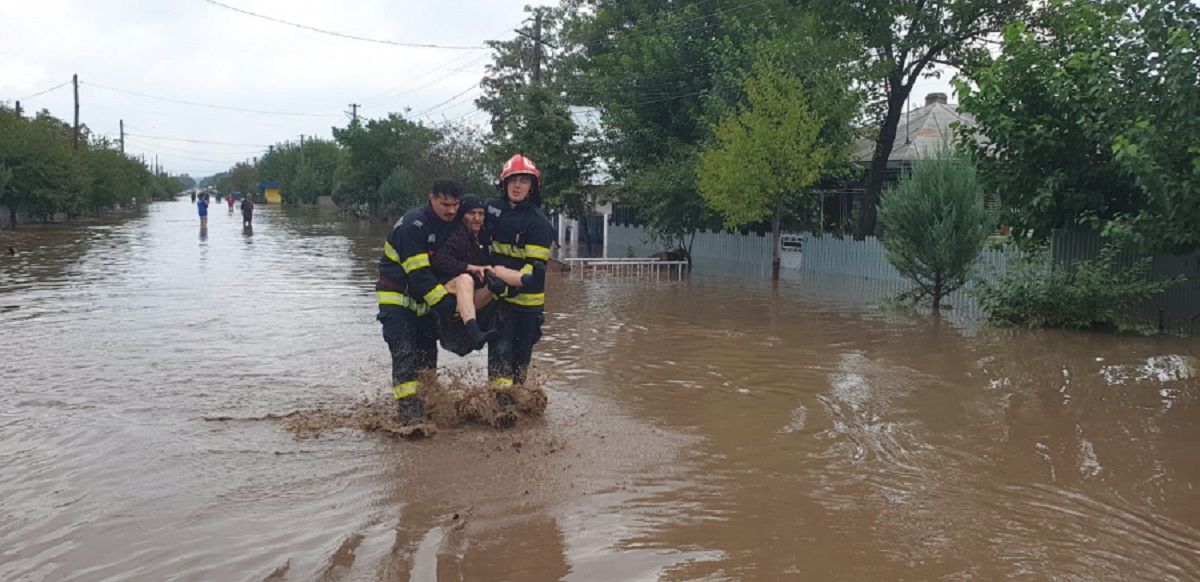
710,429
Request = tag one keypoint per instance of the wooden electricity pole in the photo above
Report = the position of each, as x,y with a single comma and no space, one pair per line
75,81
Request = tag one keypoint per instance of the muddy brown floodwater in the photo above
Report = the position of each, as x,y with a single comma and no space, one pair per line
718,428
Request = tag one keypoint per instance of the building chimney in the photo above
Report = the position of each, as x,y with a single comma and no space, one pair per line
932,98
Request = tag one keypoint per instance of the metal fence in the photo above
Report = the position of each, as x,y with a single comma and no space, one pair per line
1177,309
808,255
721,247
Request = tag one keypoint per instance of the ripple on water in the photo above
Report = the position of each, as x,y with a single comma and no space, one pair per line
1069,534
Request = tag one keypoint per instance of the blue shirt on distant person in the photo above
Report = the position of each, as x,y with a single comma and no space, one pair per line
202,205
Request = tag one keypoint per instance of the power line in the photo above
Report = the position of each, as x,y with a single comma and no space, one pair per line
58,86
257,145
390,93
226,160
192,103
449,73
464,92
183,150
339,34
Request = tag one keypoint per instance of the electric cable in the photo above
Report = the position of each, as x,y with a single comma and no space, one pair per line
340,34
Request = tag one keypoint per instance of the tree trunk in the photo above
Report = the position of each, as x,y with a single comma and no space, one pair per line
939,291
775,246
883,150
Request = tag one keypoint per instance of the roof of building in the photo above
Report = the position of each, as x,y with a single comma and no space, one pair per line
920,133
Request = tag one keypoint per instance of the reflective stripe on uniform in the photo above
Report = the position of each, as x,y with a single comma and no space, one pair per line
537,252
391,253
528,299
508,250
527,269
502,383
433,297
405,389
415,262
394,298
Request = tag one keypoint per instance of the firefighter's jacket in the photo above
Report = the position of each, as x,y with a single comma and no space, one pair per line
405,279
521,238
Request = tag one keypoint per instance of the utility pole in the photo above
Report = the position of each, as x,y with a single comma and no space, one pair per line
536,37
354,112
18,109
122,136
537,49
75,81
302,140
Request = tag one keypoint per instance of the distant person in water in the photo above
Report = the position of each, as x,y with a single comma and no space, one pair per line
229,199
202,208
247,210
193,196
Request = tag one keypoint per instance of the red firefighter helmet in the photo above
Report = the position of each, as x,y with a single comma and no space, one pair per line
520,164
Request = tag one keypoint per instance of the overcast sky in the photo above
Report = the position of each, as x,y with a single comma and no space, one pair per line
193,50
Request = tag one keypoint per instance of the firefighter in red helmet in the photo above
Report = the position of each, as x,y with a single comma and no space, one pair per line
521,238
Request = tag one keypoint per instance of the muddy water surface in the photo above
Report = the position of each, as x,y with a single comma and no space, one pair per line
706,430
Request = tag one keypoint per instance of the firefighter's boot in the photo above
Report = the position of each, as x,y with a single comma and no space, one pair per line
409,411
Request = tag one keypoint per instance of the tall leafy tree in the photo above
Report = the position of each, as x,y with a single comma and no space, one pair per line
768,153
523,92
459,153
1092,122
901,40
242,177
303,171
377,151
660,74
44,174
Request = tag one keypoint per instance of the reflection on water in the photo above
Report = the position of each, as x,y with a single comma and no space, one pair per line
722,427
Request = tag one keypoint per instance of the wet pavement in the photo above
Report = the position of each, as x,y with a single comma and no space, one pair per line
712,429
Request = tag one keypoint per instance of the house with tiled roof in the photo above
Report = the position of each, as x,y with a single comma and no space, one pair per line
920,133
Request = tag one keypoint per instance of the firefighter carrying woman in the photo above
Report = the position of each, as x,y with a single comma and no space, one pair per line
443,263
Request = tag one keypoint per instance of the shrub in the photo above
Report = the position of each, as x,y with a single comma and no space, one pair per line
934,225
1093,294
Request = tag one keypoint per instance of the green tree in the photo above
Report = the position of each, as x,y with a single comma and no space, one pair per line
375,150
242,177
1092,123
47,176
458,153
660,74
900,40
303,171
768,152
523,91
934,224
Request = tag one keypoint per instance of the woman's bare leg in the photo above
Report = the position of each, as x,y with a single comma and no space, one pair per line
510,277
483,296
463,288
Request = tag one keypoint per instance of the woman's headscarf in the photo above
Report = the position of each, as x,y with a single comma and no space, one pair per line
468,203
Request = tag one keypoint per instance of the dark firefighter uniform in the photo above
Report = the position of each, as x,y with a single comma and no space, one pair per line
521,239
408,292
